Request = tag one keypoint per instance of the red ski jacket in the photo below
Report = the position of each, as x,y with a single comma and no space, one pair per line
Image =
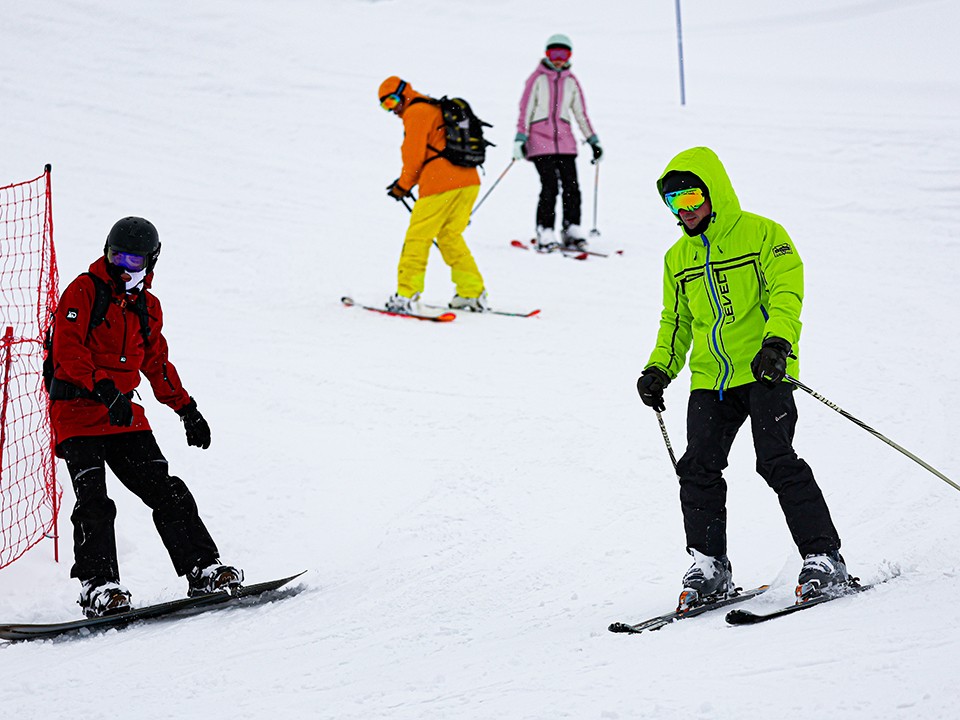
115,349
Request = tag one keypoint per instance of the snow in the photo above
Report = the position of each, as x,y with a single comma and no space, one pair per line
476,502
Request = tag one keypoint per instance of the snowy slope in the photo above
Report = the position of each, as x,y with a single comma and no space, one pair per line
476,502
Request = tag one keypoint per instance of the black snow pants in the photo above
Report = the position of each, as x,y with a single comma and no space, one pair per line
136,460
712,424
557,171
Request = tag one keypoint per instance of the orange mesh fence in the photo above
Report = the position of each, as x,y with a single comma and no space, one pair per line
29,494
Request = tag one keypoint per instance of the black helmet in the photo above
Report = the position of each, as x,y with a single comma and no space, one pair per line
134,236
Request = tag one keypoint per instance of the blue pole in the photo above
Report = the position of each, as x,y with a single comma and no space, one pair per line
683,92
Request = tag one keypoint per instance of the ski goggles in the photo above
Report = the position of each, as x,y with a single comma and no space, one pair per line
689,199
390,102
127,261
558,54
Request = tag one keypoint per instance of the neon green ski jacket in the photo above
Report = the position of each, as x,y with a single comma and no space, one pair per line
726,289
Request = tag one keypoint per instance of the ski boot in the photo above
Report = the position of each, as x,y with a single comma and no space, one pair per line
400,304
99,597
474,304
707,580
546,240
213,578
574,238
824,573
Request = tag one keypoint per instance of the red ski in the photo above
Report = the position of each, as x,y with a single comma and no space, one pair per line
446,316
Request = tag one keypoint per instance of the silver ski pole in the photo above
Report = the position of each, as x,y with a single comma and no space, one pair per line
873,432
496,182
666,440
596,186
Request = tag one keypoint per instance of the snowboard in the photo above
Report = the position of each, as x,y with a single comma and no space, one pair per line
199,603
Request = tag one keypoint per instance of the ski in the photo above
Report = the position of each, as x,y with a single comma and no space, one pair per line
565,252
568,252
746,617
200,603
655,623
524,314
428,315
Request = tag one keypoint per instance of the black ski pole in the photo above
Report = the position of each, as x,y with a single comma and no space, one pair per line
596,185
496,182
888,441
666,440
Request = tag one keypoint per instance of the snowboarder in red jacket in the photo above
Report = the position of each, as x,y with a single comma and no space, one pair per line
97,364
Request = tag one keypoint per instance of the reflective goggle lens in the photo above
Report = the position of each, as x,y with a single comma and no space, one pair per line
558,54
128,261
390,102
689,199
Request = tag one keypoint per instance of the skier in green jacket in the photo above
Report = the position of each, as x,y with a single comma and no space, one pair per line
733,289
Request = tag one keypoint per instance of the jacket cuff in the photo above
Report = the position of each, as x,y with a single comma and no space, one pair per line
521,137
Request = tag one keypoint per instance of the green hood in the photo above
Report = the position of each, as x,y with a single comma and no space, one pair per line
704,163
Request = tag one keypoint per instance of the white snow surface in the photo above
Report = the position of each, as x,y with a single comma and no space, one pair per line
475,502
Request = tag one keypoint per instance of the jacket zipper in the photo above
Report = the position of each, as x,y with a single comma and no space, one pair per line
555,114
715,333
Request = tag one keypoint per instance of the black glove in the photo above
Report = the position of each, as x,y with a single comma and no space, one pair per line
397,192
198,432
651,384
597,153
770,364
119,407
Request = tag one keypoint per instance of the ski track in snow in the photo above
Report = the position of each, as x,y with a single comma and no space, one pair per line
476,502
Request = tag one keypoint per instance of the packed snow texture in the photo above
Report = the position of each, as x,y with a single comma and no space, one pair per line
475,502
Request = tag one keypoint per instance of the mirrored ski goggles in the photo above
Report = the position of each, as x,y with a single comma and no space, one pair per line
558,54
127,261
689,200
389,102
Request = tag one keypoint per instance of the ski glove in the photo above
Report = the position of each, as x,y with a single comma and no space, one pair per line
597,150
396,192
770,364
519,150
651,384
119,407
198,432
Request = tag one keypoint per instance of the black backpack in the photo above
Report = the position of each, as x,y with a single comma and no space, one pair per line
465,144
62,390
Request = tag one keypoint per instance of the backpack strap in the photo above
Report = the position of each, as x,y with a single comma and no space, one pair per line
435,103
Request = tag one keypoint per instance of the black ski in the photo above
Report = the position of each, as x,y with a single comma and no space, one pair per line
199,603
746,617
655,623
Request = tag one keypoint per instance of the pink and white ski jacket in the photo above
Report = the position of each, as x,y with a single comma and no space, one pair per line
549,98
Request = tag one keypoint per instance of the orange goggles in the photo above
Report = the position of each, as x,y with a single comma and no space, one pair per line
689,199
391,101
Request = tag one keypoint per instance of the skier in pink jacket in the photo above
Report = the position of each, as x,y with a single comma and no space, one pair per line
545,136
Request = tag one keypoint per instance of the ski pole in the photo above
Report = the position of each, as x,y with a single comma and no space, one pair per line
870,430
666,440
596,185
496,182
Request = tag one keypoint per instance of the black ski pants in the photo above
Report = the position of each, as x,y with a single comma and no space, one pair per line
557,171
136,460
712,424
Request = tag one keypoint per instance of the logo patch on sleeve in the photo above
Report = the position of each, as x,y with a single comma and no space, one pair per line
72,314
783,249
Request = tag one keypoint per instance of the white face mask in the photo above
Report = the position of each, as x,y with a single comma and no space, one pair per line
135,279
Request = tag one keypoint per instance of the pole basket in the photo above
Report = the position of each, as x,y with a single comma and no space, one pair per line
29,492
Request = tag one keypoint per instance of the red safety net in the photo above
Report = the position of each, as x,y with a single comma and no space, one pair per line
29,493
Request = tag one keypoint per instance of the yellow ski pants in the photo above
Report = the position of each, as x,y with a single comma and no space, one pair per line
443,217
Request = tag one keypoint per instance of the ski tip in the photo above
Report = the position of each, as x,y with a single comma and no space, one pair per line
533,312
620,627
348,301
518,244
446,317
